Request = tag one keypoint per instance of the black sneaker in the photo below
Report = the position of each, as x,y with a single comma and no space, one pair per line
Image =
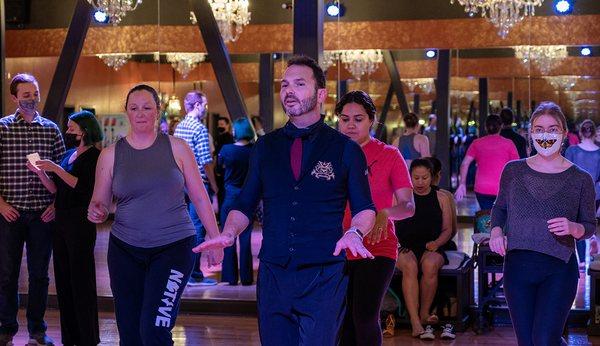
6,340
40,340
448,332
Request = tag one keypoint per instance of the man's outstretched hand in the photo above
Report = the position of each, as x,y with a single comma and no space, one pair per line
220,242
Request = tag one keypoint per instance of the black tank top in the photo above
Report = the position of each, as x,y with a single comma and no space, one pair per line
425,225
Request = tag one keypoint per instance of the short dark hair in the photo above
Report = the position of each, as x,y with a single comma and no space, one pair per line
421,163
507,116
20,79
89,125
192,97
144,87
493,124
436,164
225,119
243,130
304,60
359,97
410,120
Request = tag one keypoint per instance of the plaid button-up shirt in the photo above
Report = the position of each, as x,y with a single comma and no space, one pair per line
191,130
20,187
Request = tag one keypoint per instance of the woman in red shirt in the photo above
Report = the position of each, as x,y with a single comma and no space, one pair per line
389,180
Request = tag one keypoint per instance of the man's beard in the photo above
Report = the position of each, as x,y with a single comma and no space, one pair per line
302,106
28,106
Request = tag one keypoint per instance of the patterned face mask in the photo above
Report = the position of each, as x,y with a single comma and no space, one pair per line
547,144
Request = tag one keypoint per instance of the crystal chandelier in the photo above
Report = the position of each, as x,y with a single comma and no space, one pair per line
185,62
425,84
231,16
115,60
361,62
329,58
564,83
504,14
546,58
115,9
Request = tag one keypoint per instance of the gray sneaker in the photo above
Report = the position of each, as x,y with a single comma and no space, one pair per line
6,340
40,340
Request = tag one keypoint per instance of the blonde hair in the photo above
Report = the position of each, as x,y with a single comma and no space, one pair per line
551,109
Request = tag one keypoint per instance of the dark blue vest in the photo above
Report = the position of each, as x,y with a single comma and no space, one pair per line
303,219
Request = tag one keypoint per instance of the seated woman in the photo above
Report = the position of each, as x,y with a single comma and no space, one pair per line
421,238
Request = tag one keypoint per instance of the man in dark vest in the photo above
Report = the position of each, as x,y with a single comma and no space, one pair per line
305,173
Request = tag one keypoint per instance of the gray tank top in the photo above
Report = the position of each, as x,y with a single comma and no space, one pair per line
149,189
406,145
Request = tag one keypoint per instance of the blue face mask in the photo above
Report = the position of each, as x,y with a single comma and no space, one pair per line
28,106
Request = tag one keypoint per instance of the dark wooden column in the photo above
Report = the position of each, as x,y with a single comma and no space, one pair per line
219,58
265,91
483,104
2,58
518,113
509,100
308,28
67,62
390,64
384,111
417,103
442,89
342,89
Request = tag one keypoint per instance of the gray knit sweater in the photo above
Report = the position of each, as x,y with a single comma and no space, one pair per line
528,199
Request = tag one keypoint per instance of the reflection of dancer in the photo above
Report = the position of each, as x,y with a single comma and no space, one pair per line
301,279
545,203
389,181
150,255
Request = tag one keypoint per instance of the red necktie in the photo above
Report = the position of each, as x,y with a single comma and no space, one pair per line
296,157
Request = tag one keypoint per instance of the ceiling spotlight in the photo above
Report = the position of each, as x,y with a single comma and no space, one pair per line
586,51
334,9
563,6
100,16
430,53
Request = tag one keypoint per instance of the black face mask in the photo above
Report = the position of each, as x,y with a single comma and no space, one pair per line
71,140
221,130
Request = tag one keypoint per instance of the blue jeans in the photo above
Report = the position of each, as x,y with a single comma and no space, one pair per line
486,202
200,233
30,230
540,290
230,259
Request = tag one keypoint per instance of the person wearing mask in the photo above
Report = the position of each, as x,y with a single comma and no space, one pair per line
545,204
302,281
224,135
490,152
586,155
150,256
389,181
421,239
430,132
507,116
411,144
233,162
26,208
75,236
195,134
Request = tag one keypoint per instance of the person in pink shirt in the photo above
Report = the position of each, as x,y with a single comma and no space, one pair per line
490,153
389,180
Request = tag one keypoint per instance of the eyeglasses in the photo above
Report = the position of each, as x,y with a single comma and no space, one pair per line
552,131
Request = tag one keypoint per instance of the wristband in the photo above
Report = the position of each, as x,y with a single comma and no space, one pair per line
356,231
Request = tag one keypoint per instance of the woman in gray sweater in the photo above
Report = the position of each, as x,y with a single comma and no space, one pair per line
545,204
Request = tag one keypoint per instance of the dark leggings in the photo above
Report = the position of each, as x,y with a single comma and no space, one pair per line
369,280
540,290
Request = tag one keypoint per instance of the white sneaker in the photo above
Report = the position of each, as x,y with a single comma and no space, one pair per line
448,332
427,334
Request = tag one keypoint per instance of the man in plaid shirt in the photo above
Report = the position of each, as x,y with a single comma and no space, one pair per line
192,130
26,208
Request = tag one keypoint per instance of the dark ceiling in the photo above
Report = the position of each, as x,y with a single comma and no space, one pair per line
57,13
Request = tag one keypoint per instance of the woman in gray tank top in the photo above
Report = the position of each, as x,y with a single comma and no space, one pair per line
150,256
